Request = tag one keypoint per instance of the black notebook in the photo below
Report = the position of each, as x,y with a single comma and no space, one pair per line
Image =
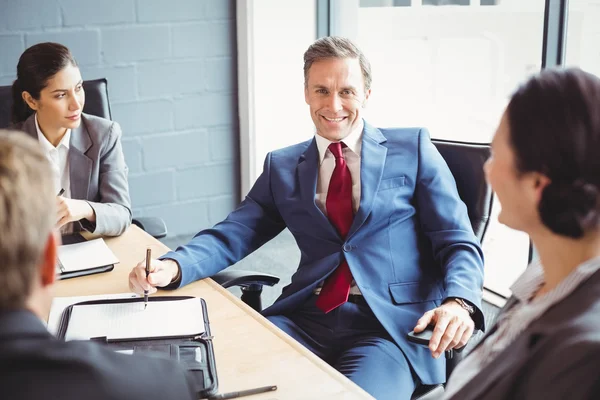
183,333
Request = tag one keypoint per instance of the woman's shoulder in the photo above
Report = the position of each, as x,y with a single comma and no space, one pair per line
93,122
98,126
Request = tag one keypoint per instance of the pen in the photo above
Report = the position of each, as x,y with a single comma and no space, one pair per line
241,393
62,190
148,256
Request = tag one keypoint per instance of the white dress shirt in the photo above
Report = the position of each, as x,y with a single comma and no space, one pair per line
59,159
516,319
351,154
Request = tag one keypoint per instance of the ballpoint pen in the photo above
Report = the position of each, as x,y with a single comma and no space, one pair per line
60,192
148,256
241,393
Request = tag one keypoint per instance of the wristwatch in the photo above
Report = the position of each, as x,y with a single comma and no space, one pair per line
470,309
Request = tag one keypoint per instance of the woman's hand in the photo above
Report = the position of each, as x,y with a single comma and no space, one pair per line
70,210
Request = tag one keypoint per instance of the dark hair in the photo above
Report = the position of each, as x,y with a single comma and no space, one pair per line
554,121
36,66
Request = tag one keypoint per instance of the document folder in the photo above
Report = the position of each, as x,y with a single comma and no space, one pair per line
188,343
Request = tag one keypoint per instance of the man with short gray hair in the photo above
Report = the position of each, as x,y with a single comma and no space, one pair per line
34,364
386,243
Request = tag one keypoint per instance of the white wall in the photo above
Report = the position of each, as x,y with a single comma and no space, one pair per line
272,38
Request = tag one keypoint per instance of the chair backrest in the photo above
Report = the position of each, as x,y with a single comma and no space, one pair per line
96,101
465,161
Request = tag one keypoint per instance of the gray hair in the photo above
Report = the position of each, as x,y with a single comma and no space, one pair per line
27,215
336,47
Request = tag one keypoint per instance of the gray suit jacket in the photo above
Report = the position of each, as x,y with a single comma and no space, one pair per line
556,357
35,365
98,172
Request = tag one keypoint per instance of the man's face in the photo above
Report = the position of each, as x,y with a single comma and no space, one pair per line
335,92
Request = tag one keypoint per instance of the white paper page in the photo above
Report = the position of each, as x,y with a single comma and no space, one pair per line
131,320
59,304
85,255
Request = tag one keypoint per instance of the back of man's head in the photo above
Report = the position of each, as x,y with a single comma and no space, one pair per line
27,213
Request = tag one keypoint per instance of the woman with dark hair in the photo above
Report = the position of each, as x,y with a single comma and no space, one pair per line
90,174
545,170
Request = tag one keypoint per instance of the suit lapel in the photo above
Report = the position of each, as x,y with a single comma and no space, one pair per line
308,172
80,165
510,359
498,367
372,162
508,305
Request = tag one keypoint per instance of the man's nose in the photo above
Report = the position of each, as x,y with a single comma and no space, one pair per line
335,103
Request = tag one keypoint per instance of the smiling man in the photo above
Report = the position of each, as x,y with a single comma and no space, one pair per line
386,242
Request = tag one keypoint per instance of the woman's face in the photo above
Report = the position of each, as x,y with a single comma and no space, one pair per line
518,193
61,101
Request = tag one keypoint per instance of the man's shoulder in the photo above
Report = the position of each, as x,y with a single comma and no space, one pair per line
292,152
88,370
410,134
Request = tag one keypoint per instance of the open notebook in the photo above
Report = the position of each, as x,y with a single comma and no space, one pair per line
128,319
85,258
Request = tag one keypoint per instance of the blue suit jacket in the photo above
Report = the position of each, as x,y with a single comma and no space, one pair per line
410,246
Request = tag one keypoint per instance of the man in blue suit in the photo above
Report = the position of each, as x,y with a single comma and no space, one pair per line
385,240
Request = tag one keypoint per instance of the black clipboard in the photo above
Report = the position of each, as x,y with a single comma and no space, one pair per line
73,238
183,349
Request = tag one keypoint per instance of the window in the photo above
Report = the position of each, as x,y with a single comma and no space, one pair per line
451,66
583,35
408,3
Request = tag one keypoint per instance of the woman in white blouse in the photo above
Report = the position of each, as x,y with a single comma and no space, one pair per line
85,152
545,170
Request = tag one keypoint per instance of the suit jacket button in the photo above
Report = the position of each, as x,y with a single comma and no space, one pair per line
347,247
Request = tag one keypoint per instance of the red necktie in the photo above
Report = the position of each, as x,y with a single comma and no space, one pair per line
339,211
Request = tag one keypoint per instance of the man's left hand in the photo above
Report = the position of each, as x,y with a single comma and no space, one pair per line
453,327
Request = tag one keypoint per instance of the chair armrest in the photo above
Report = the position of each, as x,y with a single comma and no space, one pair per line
243,278
432,392
154,226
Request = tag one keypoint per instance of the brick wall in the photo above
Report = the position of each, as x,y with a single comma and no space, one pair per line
171,71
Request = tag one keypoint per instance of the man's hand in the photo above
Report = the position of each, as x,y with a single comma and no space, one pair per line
162,272
453,327
70,210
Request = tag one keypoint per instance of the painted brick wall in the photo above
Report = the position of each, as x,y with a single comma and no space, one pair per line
172,78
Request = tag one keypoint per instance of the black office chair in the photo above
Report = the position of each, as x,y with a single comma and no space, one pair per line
465,161
97,103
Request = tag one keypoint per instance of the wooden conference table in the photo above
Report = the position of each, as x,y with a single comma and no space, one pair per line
250,351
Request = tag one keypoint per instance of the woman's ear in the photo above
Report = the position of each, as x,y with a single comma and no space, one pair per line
29,100
540,183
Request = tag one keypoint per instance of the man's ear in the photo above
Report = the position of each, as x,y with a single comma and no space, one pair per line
366,100
49,260
31,102
306,94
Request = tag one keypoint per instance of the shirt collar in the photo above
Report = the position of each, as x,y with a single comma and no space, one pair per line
533,277
46,143
353,141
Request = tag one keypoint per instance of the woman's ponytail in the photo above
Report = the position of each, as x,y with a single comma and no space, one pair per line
20,110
